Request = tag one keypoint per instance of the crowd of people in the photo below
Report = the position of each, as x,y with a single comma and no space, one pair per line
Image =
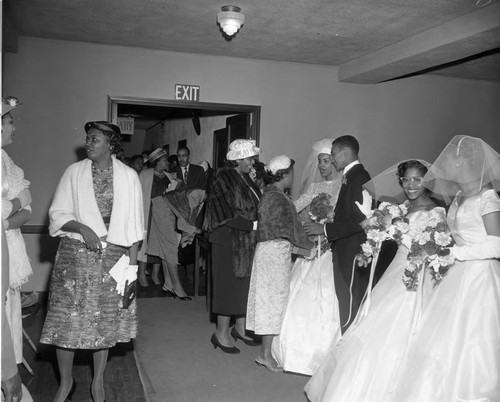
305,282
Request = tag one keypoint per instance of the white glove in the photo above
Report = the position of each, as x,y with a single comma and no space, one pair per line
24,198
366,207
406,240
481,251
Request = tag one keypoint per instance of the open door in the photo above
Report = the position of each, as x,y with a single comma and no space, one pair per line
238,126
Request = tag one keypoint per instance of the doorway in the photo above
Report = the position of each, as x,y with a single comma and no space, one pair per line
206,128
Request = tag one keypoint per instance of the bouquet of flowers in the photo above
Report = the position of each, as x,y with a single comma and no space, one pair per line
429,249
321,211
385,222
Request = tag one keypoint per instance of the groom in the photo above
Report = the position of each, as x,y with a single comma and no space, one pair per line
345,233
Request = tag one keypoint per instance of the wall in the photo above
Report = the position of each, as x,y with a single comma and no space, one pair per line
64,84
201,146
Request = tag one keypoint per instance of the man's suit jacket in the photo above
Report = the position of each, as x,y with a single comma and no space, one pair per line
346,236
196,177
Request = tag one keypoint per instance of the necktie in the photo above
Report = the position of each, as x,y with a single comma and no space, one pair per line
185,176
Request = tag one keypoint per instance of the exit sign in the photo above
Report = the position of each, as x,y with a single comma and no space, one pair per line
187,92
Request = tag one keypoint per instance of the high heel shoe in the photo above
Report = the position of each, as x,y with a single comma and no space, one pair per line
271,365
71,392
225,349
176,296
168,292
236,335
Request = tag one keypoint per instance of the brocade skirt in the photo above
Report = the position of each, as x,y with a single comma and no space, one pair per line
83,310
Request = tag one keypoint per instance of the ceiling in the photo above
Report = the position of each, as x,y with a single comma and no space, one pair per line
370,41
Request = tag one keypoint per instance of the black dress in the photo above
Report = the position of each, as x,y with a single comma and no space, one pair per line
230,294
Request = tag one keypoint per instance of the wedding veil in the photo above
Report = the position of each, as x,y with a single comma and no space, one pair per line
310,174
466,164
386,186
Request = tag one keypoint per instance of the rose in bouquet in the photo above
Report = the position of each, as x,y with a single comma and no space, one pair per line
428,249
321,211
387,221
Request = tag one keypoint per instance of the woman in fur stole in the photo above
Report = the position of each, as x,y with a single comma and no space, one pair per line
231,220
279,234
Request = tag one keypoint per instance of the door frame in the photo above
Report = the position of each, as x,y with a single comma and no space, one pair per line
252,110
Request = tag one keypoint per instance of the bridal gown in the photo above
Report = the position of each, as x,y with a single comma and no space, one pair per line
365,364
456,355
311,323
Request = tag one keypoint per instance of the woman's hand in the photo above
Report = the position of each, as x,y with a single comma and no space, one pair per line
92,241
366,207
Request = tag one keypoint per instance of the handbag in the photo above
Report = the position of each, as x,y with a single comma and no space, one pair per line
129,294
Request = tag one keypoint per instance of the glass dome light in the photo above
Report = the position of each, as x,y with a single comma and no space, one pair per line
230,19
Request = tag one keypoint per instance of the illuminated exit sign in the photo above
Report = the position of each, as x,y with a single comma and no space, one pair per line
187,92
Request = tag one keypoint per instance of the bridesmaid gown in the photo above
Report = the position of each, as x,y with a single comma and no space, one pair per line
364,366
456,354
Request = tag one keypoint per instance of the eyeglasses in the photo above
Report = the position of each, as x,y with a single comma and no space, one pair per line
407,180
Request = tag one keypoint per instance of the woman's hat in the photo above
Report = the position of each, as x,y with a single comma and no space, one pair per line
103,126
241,149
9,103
156,154
281,162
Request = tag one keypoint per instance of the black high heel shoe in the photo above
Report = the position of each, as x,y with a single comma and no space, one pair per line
176,296
225,349
236,335
71,392
168,292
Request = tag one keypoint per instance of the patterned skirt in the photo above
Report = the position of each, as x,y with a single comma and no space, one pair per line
269,286
83,310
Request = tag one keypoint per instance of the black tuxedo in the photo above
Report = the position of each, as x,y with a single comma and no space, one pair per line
346,236
196,177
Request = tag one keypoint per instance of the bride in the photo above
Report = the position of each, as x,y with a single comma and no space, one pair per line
456,353
311,323
365,364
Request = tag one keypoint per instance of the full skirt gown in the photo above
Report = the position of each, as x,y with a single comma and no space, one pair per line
311,323
365,365
456,355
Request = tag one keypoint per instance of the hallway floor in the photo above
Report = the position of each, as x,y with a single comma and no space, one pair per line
171,360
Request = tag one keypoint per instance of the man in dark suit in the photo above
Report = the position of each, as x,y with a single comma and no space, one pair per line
345,233
188,175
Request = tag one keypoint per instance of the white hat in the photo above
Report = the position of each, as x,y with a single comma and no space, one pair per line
156,154
241,149
281,162
9,103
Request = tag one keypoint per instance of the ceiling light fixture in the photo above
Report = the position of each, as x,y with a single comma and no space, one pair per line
230,19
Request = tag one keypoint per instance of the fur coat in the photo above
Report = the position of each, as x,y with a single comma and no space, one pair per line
231,196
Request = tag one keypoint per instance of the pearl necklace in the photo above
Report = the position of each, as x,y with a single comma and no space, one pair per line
108,169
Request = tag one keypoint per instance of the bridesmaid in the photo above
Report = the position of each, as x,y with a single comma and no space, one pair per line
365,364
456,354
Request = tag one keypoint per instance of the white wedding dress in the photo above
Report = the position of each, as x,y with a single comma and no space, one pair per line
365,365
311,323
456,354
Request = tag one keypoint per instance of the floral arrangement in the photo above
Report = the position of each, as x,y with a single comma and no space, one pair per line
321,208
321,211
430,239
386,222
